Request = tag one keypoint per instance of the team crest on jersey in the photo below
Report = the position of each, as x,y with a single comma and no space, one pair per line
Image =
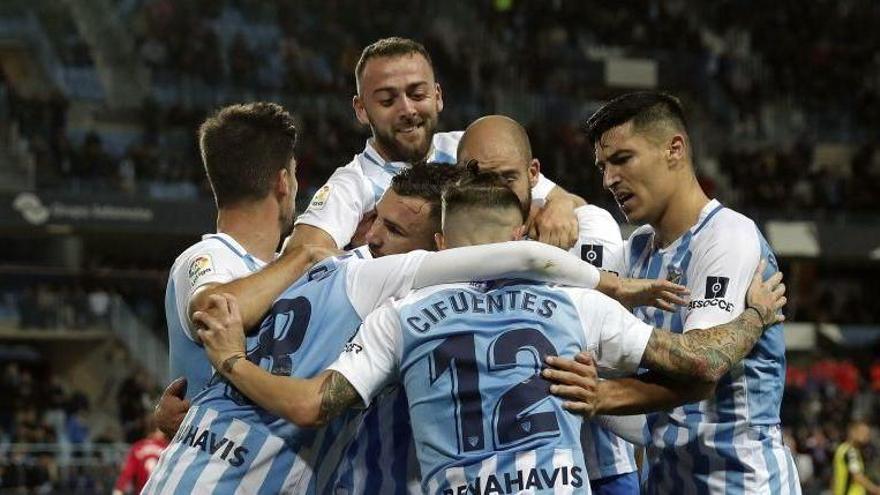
199,267
674,274
319,200
592,254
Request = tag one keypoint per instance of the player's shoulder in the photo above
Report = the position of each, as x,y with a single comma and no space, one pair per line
207,245
726,227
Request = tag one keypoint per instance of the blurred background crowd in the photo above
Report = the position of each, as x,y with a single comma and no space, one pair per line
784,98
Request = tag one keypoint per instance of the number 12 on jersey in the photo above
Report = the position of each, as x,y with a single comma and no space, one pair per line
512,422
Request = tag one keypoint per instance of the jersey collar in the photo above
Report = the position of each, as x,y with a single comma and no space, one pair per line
706,214
234,245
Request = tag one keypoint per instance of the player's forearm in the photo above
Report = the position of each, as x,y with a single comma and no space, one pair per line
521,259
294,399
629,428
309,235
256,292
703,354
647,393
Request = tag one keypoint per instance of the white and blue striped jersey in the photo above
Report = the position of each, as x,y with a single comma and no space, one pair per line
228,443
600,243
730,444
217,258
353,190
469,357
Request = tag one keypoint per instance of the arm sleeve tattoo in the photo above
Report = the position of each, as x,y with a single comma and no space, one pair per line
704,354
337,395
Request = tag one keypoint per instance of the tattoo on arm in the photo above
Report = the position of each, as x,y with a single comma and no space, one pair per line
337,395
704,354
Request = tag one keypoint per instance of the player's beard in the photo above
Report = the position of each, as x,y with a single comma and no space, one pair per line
399,152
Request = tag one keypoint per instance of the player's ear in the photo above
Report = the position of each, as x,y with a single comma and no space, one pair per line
534,171
282,185
440,241
676,150
439,97
359,110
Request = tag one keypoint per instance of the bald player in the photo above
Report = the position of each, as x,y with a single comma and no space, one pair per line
500,144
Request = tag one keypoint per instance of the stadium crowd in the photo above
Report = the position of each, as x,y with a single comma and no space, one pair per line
731,71
822,395
50,438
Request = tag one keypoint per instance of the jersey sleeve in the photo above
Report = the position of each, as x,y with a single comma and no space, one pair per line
369,283
599,240
721,276
615,336
853,462
370,361
542,188
211,264
339,205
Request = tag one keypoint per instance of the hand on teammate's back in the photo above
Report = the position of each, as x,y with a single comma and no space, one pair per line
220,329
555,224
767,297
575,380
172,407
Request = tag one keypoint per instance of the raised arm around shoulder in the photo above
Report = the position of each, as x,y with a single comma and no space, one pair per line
305,402
257,291
516,259
309,235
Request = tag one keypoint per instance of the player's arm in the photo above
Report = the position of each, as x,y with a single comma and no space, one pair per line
310,235
854,466
306,402
689,364
256,292
538,261
335,211
577,381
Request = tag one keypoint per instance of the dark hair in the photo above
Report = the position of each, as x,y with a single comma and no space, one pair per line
426,181
390,47
643,108
243,147
480,188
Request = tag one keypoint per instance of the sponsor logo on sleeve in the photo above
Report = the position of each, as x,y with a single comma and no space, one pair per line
716,289
199,267
592,254
319,200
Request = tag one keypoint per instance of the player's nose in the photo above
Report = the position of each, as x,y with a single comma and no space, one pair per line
407,105
610,178
373,236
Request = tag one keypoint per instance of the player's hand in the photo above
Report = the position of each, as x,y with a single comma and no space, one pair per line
663,294
220,329
171,408
576,381
768,297
556,223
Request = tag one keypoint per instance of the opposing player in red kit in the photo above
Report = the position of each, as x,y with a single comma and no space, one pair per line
140,461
